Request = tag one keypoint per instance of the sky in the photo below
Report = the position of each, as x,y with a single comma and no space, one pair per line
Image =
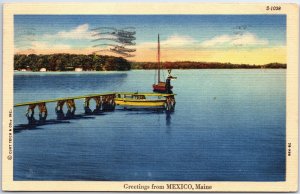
247,39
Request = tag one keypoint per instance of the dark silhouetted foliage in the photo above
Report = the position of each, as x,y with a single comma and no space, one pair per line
68,62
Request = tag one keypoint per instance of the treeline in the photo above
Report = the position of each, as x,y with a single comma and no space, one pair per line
203,65
68,62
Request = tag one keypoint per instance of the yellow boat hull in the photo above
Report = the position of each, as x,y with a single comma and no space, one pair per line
139,102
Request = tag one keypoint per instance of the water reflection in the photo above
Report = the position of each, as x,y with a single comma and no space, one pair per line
60,115
62,118
36,125
168,118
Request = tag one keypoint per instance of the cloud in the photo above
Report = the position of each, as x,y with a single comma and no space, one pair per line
45,45
78,33
173,41
245,39
177,40
36,46
53,41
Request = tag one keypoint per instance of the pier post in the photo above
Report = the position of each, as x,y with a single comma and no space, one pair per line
43,111
109,102
170,103
104,103
87,108
59,106
59,109
98,104
30,113
113,103
71,107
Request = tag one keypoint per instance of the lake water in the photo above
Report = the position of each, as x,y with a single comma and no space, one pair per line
228,125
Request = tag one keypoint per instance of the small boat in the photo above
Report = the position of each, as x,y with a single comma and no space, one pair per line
145,100
162,87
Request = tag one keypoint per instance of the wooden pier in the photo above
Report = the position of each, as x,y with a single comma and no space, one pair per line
104,102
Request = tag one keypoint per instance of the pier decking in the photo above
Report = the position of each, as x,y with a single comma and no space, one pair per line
104,102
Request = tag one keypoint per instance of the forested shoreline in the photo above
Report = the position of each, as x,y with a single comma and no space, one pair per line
204,65
69,62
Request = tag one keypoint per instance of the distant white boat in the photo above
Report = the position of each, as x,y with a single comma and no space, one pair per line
78,69
43,70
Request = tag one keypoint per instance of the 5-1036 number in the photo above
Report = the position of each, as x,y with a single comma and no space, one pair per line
273,8
289,149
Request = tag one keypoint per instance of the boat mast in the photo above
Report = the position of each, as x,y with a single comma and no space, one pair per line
158,59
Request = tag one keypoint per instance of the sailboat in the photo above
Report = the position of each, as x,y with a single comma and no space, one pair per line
162,87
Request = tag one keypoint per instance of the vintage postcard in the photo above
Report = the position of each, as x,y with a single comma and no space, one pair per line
165,97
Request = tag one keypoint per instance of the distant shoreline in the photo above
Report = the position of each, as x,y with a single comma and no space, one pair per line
108,72
255,68
103,63
146,69
205,65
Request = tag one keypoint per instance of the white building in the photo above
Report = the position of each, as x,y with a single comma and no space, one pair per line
78,69
43,70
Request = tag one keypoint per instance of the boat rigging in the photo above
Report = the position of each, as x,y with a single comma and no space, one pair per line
160,86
